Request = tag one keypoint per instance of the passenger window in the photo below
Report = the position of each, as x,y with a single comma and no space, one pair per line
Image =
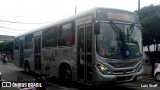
66,35
28,41
50,37
16,44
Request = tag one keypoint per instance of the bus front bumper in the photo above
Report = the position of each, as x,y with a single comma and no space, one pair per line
100,78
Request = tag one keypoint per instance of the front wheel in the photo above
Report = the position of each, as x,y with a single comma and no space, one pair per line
66,76
157,76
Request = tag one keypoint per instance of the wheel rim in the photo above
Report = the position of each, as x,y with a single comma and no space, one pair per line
27,70
158,76
67,75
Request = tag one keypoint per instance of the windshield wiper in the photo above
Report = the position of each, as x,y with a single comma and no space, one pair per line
123,47
117,30
131,28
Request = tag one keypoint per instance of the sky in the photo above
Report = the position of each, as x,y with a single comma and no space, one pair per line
21,16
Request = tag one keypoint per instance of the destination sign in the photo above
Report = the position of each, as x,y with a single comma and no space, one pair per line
116,15
121,17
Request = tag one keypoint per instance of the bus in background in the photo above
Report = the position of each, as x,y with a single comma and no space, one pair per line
97,46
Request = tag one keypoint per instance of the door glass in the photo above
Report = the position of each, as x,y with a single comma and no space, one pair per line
21,53
81,40
89,38
88,52
38,62
37,44
84,53
81,54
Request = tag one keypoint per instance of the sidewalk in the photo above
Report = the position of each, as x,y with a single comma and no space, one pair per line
146,76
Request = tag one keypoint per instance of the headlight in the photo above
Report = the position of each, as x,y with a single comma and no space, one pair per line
103,69
140,68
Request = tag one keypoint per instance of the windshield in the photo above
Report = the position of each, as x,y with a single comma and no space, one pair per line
109,43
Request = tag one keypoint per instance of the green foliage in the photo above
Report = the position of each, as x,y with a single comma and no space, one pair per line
150,21
6,47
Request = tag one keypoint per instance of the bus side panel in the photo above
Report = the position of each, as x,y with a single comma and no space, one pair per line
16,58
48,58
54,56
67,55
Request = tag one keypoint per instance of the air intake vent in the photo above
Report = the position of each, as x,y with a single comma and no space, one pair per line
123,64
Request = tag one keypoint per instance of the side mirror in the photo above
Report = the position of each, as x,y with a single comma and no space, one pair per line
96,28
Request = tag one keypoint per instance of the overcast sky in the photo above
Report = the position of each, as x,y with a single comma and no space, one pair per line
20,16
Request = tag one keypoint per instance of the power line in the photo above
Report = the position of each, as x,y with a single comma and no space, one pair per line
12,28
24,22
11,31
139,4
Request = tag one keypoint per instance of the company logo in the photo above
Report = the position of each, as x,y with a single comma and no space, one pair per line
20,84
6,84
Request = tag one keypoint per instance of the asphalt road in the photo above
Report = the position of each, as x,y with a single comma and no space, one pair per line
12,73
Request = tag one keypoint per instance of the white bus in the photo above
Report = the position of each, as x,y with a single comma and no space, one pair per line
97,46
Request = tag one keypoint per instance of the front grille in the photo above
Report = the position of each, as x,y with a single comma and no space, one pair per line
123,78
119,72
123,64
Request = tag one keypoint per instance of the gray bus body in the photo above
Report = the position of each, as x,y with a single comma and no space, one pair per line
79,47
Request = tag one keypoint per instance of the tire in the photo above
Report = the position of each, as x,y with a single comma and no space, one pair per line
157,76
66,75
27,67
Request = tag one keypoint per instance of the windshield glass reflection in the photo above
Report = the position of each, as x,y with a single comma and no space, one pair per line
110,44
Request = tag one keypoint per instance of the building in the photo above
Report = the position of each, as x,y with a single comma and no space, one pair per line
4,38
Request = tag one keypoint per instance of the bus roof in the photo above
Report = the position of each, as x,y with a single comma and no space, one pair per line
78,15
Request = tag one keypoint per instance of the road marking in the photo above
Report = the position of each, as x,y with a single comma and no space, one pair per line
149,78
13,68
130,84
2,80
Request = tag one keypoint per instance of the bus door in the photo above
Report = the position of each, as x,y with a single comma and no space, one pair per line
84,53
37,53
21,52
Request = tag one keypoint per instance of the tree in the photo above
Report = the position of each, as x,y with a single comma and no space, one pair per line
6,47
150,19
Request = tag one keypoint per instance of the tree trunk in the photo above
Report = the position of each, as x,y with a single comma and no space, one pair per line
153,60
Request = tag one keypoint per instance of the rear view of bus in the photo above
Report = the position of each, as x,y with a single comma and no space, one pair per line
118,49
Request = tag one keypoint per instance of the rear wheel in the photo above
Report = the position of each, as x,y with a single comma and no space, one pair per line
27,67
157,76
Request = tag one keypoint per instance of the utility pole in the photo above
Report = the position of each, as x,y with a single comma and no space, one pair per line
139,4
75,9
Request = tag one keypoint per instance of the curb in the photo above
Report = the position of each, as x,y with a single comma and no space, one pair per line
148,77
